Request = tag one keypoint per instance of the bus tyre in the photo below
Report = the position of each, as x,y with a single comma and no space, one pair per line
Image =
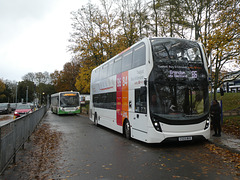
95,119
127,130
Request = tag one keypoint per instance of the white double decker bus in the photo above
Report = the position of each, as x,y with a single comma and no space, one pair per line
153,91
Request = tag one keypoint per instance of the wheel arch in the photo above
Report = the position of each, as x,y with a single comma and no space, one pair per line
123,129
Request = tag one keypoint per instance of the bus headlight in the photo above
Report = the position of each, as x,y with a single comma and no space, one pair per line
207,124
156,124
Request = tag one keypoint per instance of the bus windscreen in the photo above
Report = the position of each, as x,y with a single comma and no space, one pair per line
177,83
69,100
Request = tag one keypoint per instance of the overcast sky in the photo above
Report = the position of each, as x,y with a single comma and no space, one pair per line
34,35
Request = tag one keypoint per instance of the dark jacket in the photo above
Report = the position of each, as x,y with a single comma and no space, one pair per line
215,111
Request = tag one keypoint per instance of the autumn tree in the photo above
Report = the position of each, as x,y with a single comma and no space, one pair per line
83,78
29,77
25,88
195,10
2,89
180,18
100,33
127,19
68,76
65,80
56,80
10,91
163,18
42,77
85,38
107,26
38,77
223,41
142,19
92,40
40,80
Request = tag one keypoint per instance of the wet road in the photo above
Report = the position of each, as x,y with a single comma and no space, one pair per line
89,152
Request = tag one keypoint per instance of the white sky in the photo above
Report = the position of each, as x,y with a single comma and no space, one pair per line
34,35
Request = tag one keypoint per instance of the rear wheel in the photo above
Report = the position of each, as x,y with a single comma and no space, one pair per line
127,130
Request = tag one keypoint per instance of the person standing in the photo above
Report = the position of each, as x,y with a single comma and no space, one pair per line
215,112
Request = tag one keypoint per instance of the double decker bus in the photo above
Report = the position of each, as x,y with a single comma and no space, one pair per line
155,90
65,103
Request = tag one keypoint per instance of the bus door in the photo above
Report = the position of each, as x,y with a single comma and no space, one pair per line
140,115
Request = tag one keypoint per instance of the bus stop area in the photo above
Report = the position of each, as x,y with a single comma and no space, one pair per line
231,142
227,141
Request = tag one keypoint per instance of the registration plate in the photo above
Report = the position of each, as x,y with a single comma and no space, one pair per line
186,138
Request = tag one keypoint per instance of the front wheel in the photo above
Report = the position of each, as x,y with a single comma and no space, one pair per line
127,130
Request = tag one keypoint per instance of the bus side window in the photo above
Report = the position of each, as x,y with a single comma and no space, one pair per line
95,100
127,61
141,100
110,68
95,76
105,100
117,67
111,100
104,71
139,55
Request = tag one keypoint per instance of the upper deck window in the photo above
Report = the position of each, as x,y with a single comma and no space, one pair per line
117,65
127,61
104,71
139,55
176,50
110,68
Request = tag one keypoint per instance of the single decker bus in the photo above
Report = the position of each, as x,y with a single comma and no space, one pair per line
65,103
155,90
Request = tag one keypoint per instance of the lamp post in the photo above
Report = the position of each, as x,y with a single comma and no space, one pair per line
27,95
16,91
43,97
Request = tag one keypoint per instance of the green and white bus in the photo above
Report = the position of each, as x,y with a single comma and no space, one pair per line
65,103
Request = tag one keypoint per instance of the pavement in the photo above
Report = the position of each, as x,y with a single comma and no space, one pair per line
226,141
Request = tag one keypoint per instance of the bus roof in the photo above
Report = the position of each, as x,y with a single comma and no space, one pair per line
119,54
146,39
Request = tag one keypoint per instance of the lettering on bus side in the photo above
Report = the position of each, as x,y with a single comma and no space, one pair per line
122,97
119,99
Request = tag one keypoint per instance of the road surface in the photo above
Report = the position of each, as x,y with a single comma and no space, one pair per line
77,149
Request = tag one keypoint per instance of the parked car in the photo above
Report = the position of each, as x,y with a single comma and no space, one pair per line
22,109
13,106
5,108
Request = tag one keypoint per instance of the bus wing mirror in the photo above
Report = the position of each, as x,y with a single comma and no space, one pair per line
145,81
